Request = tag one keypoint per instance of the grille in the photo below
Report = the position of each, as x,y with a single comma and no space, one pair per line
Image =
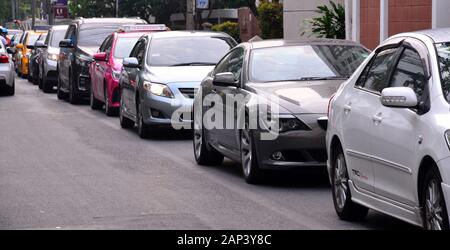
188,92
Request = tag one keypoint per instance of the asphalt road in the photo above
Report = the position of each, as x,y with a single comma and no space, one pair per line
67,167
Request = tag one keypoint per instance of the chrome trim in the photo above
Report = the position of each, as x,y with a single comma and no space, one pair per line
379,160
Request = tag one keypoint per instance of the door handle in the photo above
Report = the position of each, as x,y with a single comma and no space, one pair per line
377,119
97,65
347,108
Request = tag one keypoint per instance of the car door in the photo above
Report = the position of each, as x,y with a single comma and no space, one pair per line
100,69
358,107
129,84
397,131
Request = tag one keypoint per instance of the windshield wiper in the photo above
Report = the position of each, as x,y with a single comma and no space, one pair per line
322,78
193,64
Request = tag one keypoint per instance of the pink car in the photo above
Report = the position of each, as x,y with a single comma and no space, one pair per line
106,69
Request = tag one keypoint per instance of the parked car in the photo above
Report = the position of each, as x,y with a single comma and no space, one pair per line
105,71
162,74
23,52
33,66
7,86
47,64
83,38
388,138
302,75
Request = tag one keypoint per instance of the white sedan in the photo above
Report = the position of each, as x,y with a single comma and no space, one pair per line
388,135
6,72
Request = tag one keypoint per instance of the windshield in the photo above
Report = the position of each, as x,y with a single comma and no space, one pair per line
94,35
185,51
292,63
32,39
57,36
124,46
443,50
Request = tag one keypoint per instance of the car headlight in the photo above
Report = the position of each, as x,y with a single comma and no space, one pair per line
116,74
290,124
158,89
53,57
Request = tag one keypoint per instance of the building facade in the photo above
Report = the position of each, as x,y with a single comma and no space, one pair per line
372,21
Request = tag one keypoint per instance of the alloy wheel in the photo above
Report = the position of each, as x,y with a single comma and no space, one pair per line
198,139
340,182
433,207
246,148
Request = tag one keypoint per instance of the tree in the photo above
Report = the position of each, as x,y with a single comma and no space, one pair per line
270,15
331,23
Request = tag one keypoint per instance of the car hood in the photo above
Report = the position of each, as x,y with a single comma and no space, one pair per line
305,97
179,74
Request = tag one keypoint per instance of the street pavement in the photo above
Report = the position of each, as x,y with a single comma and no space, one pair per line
68,167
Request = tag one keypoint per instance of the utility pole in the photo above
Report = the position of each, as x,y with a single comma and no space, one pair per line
33,13
190,13
117,8
13,10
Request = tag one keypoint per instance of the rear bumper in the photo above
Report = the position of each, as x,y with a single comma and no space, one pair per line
7,74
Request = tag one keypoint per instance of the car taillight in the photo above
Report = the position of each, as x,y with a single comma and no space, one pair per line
4,58
329,105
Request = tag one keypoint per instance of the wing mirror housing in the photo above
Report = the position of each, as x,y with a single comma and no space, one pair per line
399,97
131,62
66,43
102,56
225,80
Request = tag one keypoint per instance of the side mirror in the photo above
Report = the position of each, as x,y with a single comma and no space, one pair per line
399,97
131,62
19,46
9,51
66,43
225,80
40,45
102,56
30,47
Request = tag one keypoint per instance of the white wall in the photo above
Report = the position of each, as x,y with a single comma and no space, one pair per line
297,11
441,11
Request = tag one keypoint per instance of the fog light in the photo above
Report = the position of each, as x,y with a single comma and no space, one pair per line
278,156
156,113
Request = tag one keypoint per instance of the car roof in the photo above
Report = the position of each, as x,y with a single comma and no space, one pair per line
437,35
108,20
175,34
131,34
299,42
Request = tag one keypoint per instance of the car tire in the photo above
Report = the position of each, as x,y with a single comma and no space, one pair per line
109,111
250,168
204,155
125,123
345,208
10,90
46,85
59,93
73,97
144,130
94,103
435,216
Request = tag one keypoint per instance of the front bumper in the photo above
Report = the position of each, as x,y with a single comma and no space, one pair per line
50,70
300,149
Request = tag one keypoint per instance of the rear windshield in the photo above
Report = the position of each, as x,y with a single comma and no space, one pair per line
94,35
57,36
32,39
124,46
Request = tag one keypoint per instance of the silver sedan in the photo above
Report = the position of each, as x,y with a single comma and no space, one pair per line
6,72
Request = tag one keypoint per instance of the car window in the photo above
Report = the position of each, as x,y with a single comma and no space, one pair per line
410,73
140,53
233,63
71,34
124,46
32,39
47,39
106,46
377,76
57,36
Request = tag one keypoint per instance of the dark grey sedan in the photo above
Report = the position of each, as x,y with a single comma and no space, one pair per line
265,104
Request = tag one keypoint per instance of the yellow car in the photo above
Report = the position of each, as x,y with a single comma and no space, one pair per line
23,52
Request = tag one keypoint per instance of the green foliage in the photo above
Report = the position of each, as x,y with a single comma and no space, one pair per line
231,28
270,15
331,23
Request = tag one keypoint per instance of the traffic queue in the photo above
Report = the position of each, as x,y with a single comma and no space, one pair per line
375,120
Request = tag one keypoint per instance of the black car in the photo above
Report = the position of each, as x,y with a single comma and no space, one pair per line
33,65
82,40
